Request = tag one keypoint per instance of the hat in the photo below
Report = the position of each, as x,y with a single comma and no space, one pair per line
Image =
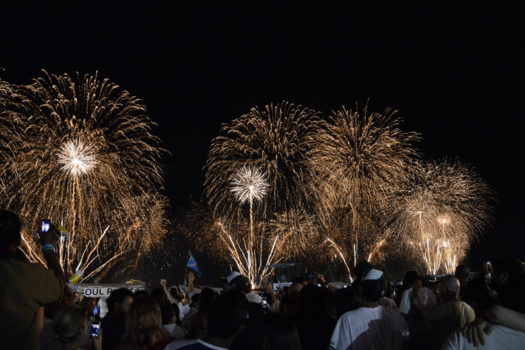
232,276
372,275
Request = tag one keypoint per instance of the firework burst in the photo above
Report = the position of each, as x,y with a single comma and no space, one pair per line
275,140
446,207
76,158
360,160
81,153
249,184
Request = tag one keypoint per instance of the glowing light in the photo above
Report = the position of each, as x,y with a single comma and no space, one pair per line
249,184
76,158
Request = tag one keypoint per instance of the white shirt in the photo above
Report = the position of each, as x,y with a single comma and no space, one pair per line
175,330
501,338
370,328
183,310
406,298
191,344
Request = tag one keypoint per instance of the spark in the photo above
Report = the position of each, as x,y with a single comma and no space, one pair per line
76,158
249,184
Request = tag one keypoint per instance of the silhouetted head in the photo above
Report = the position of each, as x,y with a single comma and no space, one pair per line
10,227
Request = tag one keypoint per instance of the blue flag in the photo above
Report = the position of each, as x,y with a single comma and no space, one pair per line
192,264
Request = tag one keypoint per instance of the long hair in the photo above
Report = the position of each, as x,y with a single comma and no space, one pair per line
144,323
69,325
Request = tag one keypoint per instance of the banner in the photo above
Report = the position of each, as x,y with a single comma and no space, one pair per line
104,290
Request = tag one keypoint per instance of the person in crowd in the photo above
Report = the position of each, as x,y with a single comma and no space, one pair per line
462,273
199,322
90,306
251,337
412,283
297,284
25,286
360,270
71,330
313,322
113,324
371,326
289,304
486,272
226,317
448,315
169,314
280,333
500,326
194,308
425,296
144,329
178,297
346,299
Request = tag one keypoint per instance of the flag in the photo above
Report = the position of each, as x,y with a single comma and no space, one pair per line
192,264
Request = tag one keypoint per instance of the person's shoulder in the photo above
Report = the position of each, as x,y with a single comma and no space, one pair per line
357,313
24,266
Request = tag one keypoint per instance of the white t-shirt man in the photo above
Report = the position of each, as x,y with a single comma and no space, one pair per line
501,338
370,328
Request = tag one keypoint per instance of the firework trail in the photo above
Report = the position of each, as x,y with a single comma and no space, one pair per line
446,207
81,153
360,161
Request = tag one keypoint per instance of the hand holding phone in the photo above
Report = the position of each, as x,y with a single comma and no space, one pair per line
45,225
94,330
48,233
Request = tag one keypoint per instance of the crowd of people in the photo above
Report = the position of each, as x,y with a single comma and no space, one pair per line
38,310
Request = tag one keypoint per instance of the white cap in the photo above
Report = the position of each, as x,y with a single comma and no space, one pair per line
232,276
372,275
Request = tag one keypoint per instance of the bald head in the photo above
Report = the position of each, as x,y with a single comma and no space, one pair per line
449,288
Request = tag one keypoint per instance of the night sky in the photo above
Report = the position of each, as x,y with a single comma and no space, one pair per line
455,75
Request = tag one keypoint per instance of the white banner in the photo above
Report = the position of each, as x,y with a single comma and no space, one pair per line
104,290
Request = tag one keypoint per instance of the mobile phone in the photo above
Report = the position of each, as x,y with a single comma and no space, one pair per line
45,225
94,330
96,310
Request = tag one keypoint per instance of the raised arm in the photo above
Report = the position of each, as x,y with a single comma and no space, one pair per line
506,317
171,299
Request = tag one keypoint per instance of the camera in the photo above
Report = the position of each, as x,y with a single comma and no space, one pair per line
94,330
45,225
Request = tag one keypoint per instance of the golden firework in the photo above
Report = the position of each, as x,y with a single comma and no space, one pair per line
446,207
275,139
81,153
360,161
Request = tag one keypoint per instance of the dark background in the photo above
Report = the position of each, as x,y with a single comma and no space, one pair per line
455,75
